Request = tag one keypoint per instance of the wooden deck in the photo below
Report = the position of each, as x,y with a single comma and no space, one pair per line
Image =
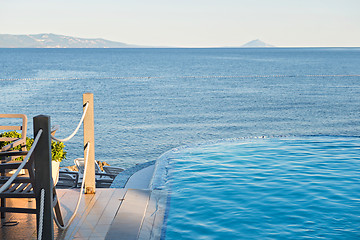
95,214
109,214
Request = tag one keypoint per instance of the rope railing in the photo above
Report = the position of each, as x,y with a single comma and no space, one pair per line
21,166
41,214
80,194
44,210
86,120
76,129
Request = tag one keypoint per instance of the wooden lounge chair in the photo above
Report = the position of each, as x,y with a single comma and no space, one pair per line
14,142
113,170
37,169
102,179
67,179
23,185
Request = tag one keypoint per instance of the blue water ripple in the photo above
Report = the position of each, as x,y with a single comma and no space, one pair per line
276,188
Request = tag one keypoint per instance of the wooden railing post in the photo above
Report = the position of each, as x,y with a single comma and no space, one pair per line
89,137
43,179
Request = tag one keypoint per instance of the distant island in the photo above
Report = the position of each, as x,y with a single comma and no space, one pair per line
256,44
49,40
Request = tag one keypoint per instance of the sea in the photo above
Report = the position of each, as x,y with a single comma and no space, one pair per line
148,101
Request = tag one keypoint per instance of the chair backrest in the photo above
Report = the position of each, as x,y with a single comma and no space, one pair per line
14,141
113,170
79,162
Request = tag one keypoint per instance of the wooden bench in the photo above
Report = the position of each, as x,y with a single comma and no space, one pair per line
37,183
23,185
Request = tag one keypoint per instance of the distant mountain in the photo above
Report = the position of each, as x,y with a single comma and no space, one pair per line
256,44
49,40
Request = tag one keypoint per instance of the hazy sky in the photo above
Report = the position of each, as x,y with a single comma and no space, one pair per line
189,23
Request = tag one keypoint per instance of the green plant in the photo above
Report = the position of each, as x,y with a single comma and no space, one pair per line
57,151
57,148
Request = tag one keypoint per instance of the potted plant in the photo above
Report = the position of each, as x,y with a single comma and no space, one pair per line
57,151
57,155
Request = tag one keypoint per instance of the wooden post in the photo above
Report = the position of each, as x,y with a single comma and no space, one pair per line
43,180
89,137
23,132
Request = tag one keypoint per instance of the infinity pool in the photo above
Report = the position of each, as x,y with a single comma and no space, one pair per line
275,188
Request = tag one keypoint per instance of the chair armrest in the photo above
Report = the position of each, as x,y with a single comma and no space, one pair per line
13,144
113,170
69,176
13,153
105,175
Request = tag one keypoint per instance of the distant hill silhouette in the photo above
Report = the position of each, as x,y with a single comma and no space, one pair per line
256,43
49,40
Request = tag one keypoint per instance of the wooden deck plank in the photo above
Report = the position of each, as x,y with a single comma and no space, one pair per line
60,193
112,208
108,215
91,217
128,220
27,222
68,204
97,216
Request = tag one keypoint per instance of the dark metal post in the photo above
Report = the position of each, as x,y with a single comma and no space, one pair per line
43,179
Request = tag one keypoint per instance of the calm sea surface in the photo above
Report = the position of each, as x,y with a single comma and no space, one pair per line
148,101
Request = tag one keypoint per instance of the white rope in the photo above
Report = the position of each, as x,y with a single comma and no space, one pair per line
76,130
11,179
80,194
41,219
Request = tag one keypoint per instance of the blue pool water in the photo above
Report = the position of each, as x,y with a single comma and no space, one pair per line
275,188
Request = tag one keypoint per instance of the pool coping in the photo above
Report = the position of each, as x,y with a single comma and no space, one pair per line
122,178
138,178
